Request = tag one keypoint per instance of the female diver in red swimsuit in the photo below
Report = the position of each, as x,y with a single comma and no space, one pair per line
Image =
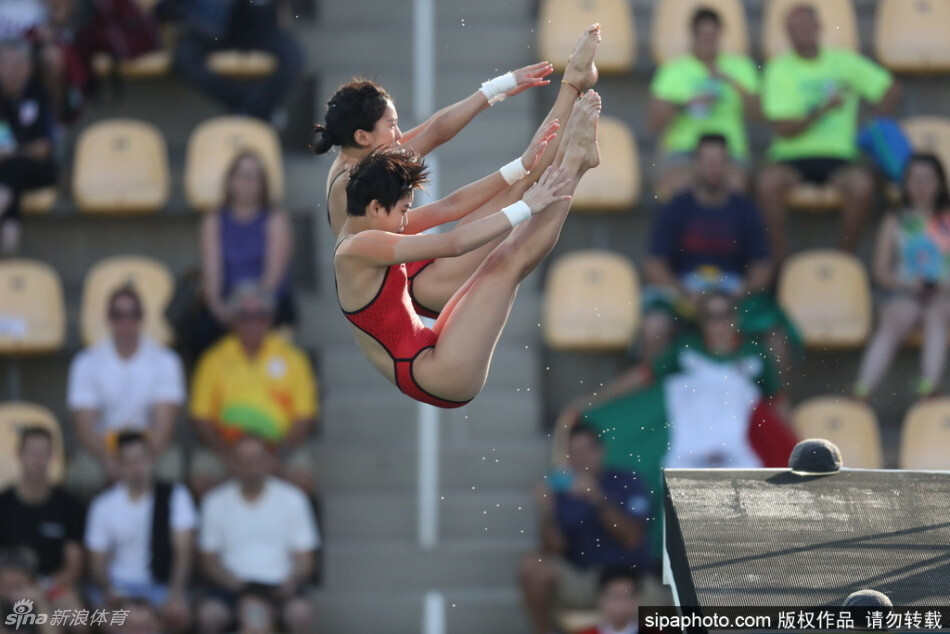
362,118
446,365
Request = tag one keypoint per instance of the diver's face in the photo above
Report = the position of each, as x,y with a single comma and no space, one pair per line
386,132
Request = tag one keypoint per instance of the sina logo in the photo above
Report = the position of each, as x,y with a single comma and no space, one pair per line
23,615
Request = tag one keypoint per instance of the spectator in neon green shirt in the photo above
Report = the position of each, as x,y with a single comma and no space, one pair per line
700,93
811,96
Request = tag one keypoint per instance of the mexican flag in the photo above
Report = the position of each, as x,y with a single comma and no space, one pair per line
702,410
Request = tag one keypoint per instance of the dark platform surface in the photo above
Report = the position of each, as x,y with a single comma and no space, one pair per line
768,537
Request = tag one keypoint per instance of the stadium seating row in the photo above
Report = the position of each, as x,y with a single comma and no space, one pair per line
615,185
592,300
850,424
853,427
236,63
909,37
33,317
121,165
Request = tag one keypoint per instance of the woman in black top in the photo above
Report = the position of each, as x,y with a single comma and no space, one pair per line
26,137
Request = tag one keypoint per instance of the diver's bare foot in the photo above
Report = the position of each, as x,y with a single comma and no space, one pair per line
581,70
582,150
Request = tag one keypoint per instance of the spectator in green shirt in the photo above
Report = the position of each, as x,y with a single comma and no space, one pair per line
700,93
811,96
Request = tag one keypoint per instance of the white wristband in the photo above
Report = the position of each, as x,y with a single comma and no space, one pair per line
513,172
495,89
517,212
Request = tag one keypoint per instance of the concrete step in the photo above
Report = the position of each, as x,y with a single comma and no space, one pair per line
72,242
305,177
484,46
502,514
362,17
384,48
370,417
473,465
354,15
362,566
468,611
509,11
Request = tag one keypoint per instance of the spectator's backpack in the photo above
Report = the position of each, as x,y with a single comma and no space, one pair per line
120,29
887,144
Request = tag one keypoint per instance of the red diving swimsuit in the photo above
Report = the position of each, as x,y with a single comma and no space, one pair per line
412,268
391,320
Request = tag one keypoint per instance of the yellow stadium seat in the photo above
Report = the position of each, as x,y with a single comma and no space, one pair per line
15,416
925,436
561,23
930,134
121,166
32,314
828,296
212,147
614,185
38,201
573,621
809,197
149,65
591,302
670,35
911,36
152,280
838,24
154,64
849,424
242,64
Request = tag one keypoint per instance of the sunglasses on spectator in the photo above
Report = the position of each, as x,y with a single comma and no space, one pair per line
119,315
719,315
253,315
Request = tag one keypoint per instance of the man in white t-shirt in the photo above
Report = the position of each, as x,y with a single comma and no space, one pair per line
140,535
126,381
258,537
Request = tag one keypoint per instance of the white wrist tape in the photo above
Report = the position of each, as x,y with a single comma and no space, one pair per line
517,212
495,89
513,172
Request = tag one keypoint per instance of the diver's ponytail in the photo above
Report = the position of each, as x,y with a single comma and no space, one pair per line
322,139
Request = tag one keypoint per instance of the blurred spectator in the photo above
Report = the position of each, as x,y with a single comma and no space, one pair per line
139,535
703,92
707,238
18,17
212,25
43,518
18,583
66,74
256,613
246,240
126,381
50,25
253,382
142,618
618,602
591,519
912,271
811,95
26,137
258,545
721,391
